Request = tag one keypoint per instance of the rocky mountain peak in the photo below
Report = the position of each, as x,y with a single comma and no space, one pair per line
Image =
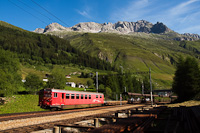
39,30
54,27
160,28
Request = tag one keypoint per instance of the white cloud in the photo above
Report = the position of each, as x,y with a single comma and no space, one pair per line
189,24
182,8
180,17
133,11
191,29
84,13
183,17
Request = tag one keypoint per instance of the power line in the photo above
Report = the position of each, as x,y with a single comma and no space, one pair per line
50,13
35,10
28,12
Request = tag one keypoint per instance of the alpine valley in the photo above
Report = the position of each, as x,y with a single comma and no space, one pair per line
129,46
133,46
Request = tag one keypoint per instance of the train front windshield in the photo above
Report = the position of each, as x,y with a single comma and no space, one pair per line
44,97
41,93
45,93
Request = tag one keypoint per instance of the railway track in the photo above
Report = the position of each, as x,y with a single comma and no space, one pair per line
25,115
5,117
42,120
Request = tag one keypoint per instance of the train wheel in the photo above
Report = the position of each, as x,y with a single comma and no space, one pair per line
54,109
59,109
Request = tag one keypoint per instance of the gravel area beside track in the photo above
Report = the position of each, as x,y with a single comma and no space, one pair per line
4,125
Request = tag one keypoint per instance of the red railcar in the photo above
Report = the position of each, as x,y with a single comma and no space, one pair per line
61,99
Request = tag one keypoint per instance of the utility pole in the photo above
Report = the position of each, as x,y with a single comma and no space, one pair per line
97,81
120,99
142,88
150,86
122,69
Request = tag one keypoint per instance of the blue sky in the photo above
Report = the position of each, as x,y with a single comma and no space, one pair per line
182,16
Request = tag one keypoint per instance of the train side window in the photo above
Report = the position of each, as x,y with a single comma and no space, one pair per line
55,94
67,96
89,96
77,96
63,95
85,96
100,96
72,96
81,96
96,96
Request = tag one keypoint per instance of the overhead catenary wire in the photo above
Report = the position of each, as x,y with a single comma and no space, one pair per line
27,12
36,10
50,13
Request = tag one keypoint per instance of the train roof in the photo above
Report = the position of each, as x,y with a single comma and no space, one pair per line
139,94
71,91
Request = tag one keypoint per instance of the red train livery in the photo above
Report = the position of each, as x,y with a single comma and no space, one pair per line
61,99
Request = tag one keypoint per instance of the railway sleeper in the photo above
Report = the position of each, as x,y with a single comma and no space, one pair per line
144,125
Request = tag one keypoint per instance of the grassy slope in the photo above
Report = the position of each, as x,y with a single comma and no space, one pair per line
21,103
137,52
134,53
27,103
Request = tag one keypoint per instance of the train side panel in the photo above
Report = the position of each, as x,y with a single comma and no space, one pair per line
72,99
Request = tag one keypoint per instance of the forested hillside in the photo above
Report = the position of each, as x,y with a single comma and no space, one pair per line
39,49
10,79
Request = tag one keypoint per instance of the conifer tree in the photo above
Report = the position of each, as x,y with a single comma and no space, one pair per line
186,81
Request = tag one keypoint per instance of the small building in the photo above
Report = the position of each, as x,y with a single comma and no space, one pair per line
81,86
72,84
45,80
67,76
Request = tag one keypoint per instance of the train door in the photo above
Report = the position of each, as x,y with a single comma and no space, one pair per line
63,99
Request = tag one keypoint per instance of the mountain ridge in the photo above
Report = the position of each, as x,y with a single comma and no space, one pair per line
121,27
